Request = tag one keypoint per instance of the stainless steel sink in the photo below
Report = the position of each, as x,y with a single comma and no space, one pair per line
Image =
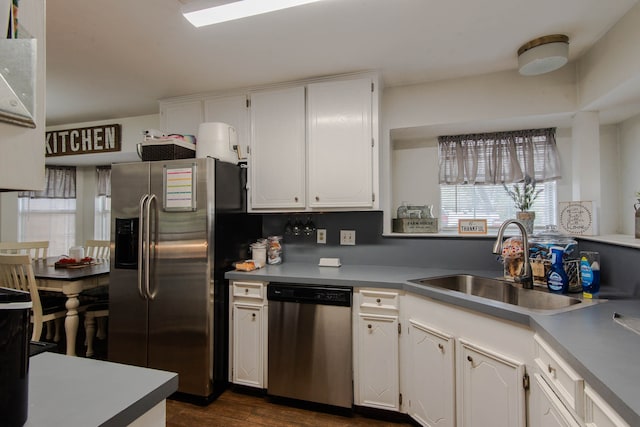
502,291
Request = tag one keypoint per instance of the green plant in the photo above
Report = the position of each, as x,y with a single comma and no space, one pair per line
523,194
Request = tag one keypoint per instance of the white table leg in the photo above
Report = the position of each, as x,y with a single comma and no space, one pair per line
71,323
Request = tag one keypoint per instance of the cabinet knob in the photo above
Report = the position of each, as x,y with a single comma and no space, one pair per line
253,315
317,199
470,359
295,199
441,347
369,326
378,300
551,369
246,291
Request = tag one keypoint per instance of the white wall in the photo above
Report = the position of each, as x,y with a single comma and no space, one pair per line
629,172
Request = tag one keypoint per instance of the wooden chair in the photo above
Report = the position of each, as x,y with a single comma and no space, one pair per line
99,250
16,272
36,250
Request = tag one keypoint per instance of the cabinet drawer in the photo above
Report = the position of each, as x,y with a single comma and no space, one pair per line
563,379
598,413
254,290
379,300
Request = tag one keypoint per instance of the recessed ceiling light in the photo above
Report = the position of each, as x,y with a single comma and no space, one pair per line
543,55
201,12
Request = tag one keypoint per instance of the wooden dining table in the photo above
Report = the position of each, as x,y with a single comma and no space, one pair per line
70,282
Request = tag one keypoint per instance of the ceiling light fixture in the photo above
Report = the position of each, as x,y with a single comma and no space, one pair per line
543,55
201,13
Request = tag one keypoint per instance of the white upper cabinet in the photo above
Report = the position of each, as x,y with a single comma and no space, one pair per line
340,144
22,149
231,110
315,153
277,159
181,117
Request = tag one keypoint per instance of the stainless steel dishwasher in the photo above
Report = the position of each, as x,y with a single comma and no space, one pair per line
310,343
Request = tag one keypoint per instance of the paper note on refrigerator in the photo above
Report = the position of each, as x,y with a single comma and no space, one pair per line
179,189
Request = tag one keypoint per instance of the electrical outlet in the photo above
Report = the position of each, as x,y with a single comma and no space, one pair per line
347,237
321,236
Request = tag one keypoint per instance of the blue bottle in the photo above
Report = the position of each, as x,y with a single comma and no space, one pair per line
590,274
557,279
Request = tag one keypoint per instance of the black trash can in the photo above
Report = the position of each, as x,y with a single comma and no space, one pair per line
15,307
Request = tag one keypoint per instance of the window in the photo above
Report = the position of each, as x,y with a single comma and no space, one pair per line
474,169
53,220
50,214
102,223
492,203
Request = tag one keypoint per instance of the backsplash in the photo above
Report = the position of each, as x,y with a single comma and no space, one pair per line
620,267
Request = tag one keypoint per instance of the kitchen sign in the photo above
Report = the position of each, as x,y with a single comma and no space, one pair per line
472,226
90,140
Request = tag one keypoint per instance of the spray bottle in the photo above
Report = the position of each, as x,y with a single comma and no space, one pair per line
557,279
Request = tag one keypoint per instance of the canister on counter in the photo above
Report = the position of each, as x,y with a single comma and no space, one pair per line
259,252
274,249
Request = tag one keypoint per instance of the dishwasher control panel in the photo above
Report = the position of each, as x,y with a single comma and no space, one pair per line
310,294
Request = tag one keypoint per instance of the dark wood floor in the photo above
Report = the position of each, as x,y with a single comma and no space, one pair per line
239,409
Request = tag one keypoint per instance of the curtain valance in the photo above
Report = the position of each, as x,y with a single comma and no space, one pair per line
60,183
499,157
104,180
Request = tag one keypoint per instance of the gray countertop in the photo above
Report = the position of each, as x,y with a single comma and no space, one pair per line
603,352
72,391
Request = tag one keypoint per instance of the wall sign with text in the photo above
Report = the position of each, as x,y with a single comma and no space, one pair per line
89,140
472,226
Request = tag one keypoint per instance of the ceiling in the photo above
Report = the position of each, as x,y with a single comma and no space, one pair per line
115,59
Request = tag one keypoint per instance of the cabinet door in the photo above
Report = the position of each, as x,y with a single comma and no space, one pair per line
181,117
546,409
340,148
231,110
248,357
277,156
432,381
377,364
598,413
491,389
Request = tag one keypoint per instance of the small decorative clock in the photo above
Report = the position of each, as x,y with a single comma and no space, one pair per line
577,218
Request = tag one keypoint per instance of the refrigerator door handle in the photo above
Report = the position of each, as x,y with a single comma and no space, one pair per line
148,242
141,248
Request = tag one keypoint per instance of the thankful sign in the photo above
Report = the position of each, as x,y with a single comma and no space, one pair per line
96,139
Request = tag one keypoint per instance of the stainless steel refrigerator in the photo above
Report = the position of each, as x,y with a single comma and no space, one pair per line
176,227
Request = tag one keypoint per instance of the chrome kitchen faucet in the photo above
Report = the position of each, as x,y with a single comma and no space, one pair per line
526,278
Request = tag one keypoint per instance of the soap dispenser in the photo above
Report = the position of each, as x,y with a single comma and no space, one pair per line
557,279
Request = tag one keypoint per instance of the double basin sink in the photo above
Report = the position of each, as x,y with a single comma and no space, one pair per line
505,292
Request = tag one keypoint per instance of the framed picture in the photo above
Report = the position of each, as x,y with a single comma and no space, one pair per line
577,218
472,226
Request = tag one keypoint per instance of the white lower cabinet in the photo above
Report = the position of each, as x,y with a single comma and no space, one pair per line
378,361
459,368
545,408
598,413
248,346
432,397
248,322
376,348
492,392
